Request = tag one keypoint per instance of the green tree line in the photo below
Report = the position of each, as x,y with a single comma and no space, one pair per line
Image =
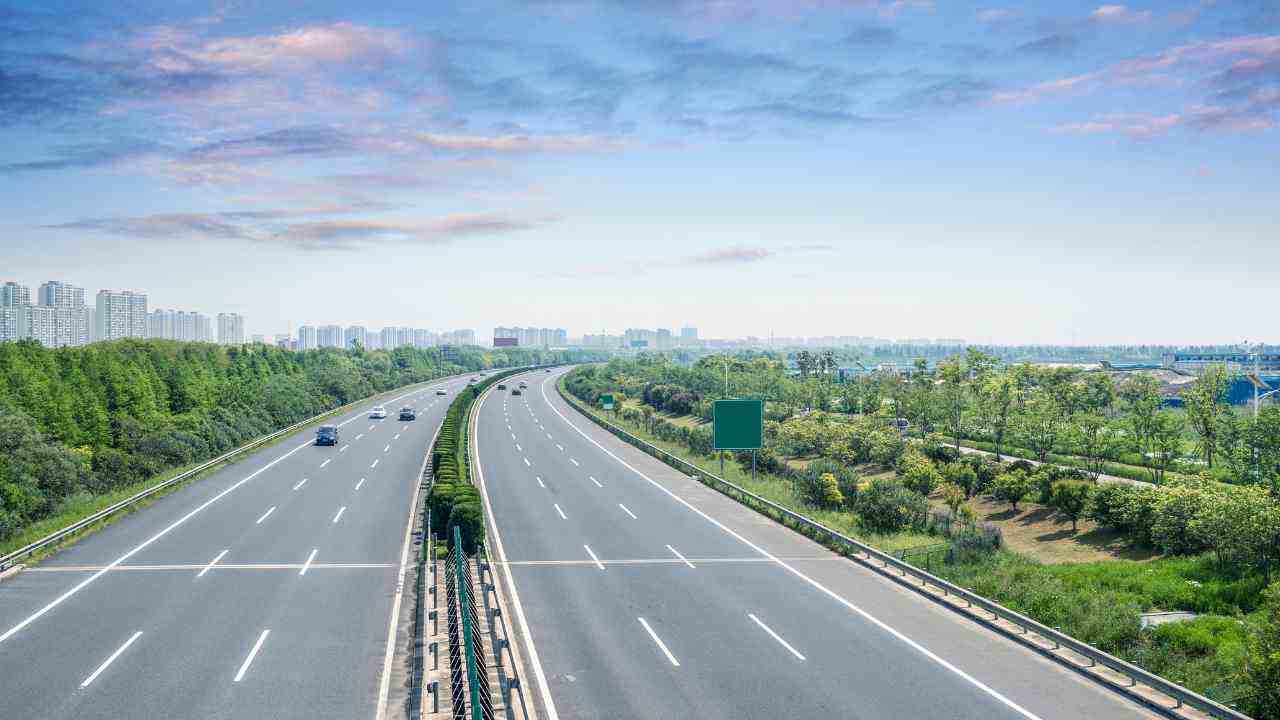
84,421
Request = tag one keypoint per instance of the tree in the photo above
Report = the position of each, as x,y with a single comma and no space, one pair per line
1205,401
954,398
1093,441
1041,424
918,473
1070,497
1165,442
1098,393
1012,487
962,475
1141,395
996,398
953,496
806,363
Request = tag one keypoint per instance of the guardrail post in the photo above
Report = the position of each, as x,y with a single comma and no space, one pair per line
434,649
435,622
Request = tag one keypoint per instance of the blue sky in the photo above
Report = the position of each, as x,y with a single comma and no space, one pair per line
1002,172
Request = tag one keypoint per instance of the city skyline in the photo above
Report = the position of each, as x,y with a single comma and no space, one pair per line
1008,173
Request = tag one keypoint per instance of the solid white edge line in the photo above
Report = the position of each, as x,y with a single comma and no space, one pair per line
213,562
111,659
557,507
682,558
661,645
307,564
594,559
814,583
266,514
340,511
625,510
539,675
244,666
388,657
775,636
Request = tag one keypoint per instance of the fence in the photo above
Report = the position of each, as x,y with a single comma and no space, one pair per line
900,570
469,676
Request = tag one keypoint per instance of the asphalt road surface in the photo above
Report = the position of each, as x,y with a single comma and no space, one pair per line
649,595
264,590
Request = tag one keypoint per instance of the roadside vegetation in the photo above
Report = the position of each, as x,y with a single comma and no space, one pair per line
81,427
1204,540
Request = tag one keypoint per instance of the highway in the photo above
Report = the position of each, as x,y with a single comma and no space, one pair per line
648,595
264,590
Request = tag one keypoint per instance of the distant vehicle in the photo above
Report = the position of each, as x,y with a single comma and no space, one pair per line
378,412
502,386
327,435
473,381
524,384
515,391
442,391
408,413
547,370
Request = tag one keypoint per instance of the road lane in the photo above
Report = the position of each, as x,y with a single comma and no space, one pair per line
328,623
889,654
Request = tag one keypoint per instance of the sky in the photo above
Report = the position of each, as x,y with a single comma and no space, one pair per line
1047,172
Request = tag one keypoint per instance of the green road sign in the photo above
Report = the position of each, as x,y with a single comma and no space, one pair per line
606,402
738,424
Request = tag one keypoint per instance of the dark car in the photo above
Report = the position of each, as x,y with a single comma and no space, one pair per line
515,391
502,386
327,435
548,370
408,413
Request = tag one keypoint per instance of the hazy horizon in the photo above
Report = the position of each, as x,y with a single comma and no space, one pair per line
1011,173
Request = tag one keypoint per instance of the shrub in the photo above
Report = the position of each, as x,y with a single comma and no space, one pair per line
1070,497
918,473
953,496
962,476
1174,526
887,506
469,518
811,487
1012,487
1262,670
831,496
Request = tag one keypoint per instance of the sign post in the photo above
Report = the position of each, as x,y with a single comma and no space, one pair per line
606,402
737,425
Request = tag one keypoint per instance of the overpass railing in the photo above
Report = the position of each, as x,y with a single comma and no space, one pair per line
900,570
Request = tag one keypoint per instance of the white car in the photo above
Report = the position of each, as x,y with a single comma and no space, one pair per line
378,412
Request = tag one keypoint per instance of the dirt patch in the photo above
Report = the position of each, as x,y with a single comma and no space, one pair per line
1040,533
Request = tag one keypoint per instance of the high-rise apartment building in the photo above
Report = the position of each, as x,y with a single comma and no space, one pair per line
121,314
230,329
329,336
423,338
307,338
14,295
388,338
355,334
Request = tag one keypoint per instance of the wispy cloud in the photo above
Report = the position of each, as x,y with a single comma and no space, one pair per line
518,143
294,227
1119,14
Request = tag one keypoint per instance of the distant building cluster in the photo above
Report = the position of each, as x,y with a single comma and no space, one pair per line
59,316
312,337
530,337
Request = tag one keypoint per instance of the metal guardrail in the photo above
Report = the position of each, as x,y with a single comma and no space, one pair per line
481,702
504,642
1178,694
11,559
